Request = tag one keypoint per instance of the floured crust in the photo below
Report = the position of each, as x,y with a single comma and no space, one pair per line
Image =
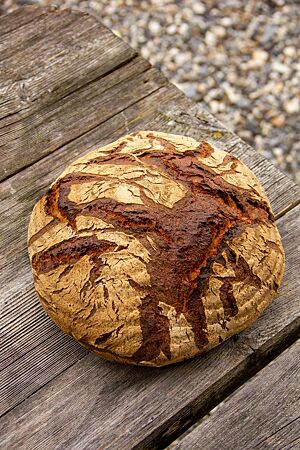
155,248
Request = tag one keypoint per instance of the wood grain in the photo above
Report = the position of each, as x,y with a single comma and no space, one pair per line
121,406
269,404
70,99
19,18
186,117
19,193
57,53
25,325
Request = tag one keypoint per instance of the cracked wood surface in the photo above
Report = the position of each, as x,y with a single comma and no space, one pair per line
52,74
269,404
130,397
118,92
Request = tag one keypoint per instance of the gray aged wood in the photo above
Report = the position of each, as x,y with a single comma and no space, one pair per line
41,64
263,414
24,326
122,407
83,89
20,18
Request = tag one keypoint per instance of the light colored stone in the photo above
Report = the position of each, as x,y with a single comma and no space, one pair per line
171,29
280,68
292,106
198,7
260,56
181,58
290,51
154,27
210,39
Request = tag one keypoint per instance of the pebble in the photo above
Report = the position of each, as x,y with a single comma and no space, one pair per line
188,89
292,106
280,68
210,38
171,29
278,121
154,27
226,21
198,8
214,106
290,51
181,58
239,59
268,35
260,57
218,31
231,93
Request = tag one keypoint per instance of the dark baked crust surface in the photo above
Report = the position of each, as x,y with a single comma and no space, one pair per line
155,248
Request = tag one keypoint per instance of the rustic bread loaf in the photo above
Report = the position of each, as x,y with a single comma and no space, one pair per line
154,249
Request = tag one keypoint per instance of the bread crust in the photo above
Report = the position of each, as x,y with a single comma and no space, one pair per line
154,249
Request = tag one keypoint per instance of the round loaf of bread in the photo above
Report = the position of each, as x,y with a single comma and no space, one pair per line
154,249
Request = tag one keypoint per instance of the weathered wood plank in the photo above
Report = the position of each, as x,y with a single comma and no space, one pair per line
18,301
39,368
57,124
263,414
75,50
15,209
54,65
28,34
186,117
22,318
122,407
285,438
19,18
137,98
23,327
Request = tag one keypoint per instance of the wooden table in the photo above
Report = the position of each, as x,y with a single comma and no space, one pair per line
68,85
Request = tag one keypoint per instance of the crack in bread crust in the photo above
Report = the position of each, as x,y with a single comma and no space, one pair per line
161,278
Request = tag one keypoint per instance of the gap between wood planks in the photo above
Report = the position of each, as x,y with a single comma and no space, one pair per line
189,415
263,405
287,209
250,370
121,65
184,418
80,135
52,334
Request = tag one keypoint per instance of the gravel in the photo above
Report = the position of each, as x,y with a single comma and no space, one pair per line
240,60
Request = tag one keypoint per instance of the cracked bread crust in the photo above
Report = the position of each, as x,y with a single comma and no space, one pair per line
154,249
